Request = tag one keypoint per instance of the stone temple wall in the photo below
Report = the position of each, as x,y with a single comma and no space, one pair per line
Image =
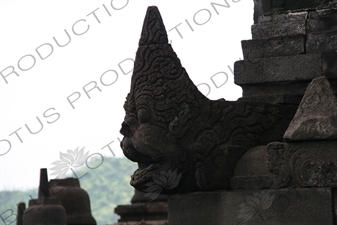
292,43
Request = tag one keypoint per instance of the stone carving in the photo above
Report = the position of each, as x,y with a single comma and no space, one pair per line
170,125
309,164
278,164
263,167
308,158
293,42
316,117
314,164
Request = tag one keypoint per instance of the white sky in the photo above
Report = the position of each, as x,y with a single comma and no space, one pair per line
95,122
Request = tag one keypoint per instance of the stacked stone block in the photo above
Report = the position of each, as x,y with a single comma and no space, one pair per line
292,43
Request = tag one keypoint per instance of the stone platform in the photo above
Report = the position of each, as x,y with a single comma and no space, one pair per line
296,206
146,213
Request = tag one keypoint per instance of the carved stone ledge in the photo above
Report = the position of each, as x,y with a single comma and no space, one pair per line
280,165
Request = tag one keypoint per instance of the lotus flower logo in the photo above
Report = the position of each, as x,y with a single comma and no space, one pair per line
68,161
255,204
161,181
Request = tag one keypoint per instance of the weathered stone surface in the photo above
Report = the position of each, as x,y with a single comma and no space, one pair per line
300,67
313,164
278,28
273,99
310,164
324,13
151,213
330,67
317,20
252,171
177,135
289,88
334,194
283,79
322,20
284,16
253,207
285,5
143,210
281,164
274,93
278,69
321,42
316,117
279,46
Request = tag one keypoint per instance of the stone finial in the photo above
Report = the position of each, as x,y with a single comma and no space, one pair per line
43,186
316,116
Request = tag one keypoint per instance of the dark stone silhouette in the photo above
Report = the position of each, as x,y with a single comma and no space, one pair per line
170,125
45,209
21,209
74,199
60,202
43,191
139,197
143,211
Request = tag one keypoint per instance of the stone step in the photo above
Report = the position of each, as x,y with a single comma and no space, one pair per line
296,68
279,28
278,69
316,42
321,42
322,20
292,88
151,211
284,16
273,99
289,24
279,46
269,7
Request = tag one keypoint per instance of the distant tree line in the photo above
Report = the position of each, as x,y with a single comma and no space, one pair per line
107,185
